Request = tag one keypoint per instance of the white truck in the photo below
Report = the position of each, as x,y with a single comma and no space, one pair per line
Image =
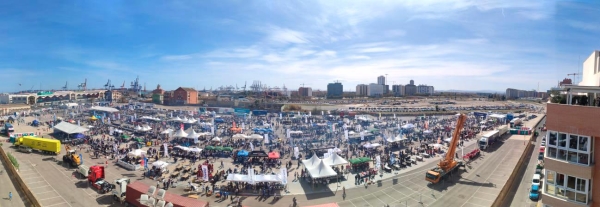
488,139
502,130
515,122
120,189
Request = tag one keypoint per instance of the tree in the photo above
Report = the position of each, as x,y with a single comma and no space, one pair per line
503,97
437,108
557,97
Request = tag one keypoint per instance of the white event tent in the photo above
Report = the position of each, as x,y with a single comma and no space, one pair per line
321,170
335,159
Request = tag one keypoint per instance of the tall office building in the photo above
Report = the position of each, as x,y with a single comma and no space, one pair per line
410,89
361,90
381,80
335,90
425,89
374,90
398,90
305,91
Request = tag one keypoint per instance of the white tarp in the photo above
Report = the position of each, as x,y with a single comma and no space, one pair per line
321,171
334,159
369,145
239,136
69,128
238,178
193,135
137,152
160,164
266,178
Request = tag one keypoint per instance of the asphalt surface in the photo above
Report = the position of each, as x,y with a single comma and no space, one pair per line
519,194
6,186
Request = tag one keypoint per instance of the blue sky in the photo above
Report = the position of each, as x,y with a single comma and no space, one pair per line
450,44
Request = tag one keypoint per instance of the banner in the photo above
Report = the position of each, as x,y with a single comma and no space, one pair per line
296,152
251,147
322,113
266,138
362,136
166,150
287,132
346,134
378,162
205,172
283,175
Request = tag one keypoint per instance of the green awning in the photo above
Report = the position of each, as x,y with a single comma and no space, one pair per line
124,136
229,149
219,148
209,148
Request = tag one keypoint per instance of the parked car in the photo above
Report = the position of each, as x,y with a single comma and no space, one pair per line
534,193
536,179
541,156
24,149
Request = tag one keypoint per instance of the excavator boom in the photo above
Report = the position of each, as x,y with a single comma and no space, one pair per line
448,164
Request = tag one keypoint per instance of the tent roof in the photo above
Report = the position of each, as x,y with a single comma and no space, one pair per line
69,128
313,161
321,171
193,135
180,133
335,159
104,109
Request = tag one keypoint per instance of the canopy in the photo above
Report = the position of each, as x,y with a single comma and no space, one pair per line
256,136
369,145
313,161
335,159
408,126
228,149
183,148
93,118
146,128
242,153
274,155
238,177
180,133
239,136
166,131
266,178
195,149
69,128
428,131
209,147
138,128
177,119
137,152
216,139
193,135
104,109
321,170
359,160
160,164
395,139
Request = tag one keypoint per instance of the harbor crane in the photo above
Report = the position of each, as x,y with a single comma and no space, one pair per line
107,85
123,86
66,85
82,85
448,164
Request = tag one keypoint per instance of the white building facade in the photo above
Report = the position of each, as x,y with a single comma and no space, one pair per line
591,70
374,90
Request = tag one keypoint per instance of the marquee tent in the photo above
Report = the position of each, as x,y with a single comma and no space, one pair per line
193,135
180,133
313,161
104,109
335,159
69,128
321,171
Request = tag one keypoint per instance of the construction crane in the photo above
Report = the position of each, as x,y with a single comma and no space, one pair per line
303,85
66,85
107,85
448,164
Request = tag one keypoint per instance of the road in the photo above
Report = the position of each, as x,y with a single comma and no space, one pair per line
519,193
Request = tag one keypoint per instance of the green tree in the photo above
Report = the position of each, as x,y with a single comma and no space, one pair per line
557,97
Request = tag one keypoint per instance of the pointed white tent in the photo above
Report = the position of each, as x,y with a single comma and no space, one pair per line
239,136
193,135
335,159
138,128
180,133
167,131
313,161
321,171
177,119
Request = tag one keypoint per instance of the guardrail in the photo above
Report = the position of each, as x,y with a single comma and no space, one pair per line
29,199
509,183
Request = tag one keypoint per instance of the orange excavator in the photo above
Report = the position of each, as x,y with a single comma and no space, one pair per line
236,129
448,164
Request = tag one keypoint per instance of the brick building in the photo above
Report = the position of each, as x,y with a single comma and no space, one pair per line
184,96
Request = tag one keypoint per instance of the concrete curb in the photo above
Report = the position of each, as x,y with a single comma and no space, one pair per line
502,195
29,199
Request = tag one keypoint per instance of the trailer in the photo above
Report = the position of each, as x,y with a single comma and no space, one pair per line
472,155
515,122
502,130
43,144
488,139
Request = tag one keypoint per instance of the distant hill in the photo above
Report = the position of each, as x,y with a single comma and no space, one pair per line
471,91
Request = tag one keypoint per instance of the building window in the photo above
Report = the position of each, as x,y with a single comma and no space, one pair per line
552,138
570,147
566,187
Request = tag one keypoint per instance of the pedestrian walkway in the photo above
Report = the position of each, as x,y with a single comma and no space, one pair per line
8,186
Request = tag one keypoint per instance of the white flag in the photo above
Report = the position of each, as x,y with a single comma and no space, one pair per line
166,150
266,138
346,134
205,172
251,147
362,136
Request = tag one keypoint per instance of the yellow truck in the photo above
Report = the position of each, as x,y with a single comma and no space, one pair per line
43,144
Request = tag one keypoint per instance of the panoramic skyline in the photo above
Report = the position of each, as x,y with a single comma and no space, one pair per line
459,44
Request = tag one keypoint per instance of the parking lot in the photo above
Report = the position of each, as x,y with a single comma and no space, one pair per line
40,187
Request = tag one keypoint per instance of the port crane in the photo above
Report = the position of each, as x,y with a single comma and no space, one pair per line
65,87
82,85
448,164
123,86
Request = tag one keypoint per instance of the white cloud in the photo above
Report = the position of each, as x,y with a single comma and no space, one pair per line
286,36
177,57
359,57
375,50
583,25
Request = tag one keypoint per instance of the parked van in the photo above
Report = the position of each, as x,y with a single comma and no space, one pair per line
83,171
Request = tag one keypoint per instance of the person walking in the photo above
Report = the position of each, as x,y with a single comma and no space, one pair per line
10,196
